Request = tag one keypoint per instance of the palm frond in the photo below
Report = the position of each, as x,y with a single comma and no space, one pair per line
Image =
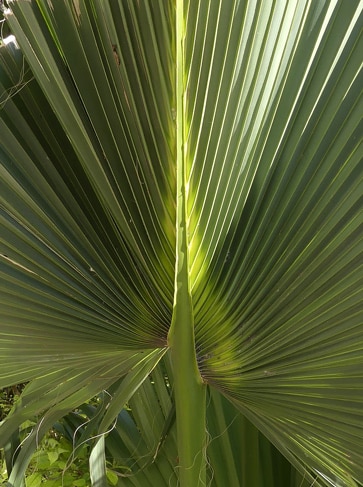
275,186
213,147
76,197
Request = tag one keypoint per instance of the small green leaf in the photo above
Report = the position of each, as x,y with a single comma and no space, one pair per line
112,477
79,483
53,456
34,480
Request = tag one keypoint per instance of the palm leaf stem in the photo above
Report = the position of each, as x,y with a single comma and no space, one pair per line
190,413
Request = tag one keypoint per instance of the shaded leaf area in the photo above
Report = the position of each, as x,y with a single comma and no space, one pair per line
87,203
138,448
237,452
274,132
53,395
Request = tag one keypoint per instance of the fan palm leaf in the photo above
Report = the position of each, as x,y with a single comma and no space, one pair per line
182,182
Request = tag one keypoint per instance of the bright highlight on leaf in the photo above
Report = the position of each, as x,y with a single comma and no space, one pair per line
181,227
